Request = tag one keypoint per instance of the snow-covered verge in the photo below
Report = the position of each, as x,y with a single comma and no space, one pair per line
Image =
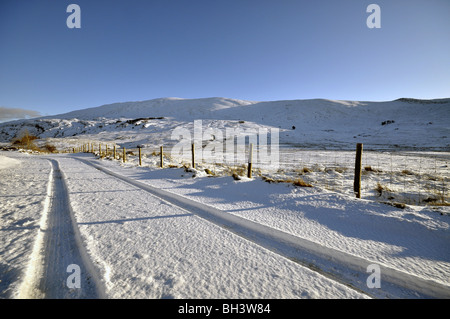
24,183
7,163
396,178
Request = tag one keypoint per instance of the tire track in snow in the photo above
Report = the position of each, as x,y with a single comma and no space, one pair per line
339,266
58,246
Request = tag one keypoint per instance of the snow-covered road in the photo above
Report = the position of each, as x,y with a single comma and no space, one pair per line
134,240
58,249
148,248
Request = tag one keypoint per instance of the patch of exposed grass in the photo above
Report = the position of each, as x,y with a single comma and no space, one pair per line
407,172
300,182
436,203
395,204
371,169
382,188
304,170
26,140
297,182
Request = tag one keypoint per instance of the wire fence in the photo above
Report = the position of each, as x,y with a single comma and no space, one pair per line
414,178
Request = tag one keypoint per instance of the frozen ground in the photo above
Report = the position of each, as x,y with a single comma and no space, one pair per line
145,232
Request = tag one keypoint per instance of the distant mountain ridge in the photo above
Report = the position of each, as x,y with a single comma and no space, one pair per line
421,101
404,123
161,107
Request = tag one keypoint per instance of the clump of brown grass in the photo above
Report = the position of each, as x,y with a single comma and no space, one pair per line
238,171
437,203
371,169
380,188
341,170
268,179
236,177
297,182
407,172
304,170
395,204
25,139
50,148
300,182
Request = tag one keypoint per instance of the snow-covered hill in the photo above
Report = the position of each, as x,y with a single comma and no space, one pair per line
317,123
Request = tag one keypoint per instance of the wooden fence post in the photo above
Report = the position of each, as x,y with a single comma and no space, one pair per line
250,160
193,155
124,155
357,181
140,159
114,151
161,159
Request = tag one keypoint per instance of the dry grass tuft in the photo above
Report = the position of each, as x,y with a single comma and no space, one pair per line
371,169
380,188
298,182
26,140
394,204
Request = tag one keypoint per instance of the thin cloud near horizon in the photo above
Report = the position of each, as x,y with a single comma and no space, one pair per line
8,113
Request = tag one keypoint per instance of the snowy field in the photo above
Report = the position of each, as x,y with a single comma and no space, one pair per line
137,244
407,177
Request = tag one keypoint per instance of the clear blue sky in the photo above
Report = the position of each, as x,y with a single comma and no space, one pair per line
244,49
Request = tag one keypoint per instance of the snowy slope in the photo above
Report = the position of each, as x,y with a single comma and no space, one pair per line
162,107
319,123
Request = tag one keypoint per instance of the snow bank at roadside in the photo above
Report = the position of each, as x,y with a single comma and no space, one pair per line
23,195
7,162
